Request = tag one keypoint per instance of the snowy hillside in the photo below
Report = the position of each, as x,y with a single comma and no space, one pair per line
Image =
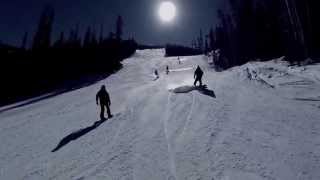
259,121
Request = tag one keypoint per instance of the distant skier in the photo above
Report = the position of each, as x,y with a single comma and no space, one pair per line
179,61
167,69
156,74
198,76
103,99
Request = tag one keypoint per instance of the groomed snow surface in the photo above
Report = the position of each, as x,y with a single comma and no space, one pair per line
259,121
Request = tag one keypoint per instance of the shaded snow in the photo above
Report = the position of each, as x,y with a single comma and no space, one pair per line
262,123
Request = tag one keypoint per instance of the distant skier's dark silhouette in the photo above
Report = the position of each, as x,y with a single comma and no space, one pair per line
103,99
167,69
198,76
156,74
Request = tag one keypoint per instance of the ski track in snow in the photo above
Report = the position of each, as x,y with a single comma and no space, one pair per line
248,132
188,117
170,149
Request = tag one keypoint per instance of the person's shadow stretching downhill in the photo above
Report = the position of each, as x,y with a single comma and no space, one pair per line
75,135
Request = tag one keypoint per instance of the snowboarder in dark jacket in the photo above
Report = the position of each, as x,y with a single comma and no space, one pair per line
103,99
198,76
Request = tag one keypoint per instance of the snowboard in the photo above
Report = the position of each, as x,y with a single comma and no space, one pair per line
156,78
202,87
105,119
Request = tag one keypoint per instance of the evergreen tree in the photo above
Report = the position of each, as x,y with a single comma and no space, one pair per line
94,41
211,39
24,41
206,49
200,41
87,38
111,35
101,34
42,38
119,28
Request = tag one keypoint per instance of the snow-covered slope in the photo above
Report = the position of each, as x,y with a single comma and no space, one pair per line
258,121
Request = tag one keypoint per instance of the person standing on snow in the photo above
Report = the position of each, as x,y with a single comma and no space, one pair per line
198,76
156,74
167,69
103,99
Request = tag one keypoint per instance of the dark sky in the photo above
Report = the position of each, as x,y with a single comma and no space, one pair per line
140,18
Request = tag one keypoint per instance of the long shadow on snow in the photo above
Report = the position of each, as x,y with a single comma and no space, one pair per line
201,89
75,135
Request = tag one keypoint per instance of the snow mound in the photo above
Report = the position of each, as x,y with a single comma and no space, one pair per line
277,73
183,89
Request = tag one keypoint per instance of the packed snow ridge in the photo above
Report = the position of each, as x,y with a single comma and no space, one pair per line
259,121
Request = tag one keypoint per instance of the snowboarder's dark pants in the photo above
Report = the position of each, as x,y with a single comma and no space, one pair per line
102,110
198,78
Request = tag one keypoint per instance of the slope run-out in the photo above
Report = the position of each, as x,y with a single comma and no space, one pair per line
262,123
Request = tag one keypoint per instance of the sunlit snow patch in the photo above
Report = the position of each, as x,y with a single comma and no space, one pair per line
181,69
184,82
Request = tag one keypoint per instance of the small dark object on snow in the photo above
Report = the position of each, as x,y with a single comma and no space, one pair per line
156,73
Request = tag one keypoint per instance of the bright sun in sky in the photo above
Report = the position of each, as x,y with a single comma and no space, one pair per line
167,11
